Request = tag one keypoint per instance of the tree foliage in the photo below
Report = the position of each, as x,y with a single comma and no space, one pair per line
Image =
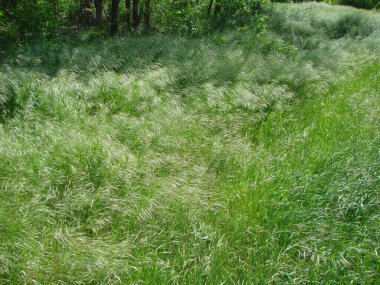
43,18
23,19
366,4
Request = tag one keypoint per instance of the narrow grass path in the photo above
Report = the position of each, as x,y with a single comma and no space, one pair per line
167,160
295,200
305,209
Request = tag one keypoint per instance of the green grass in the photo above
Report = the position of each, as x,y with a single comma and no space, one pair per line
166,160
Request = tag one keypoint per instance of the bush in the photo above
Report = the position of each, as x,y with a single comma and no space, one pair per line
31,18
352,25
180,16
190,17
366,4
240,13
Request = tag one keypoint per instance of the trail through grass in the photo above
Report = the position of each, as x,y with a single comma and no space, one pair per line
165,160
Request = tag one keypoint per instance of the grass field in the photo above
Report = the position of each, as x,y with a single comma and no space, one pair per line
232,159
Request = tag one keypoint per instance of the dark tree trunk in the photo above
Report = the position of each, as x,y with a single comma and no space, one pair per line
114,13
135,14
128,18
99,13
85,13
209,8
147,14
6,3
14,3
54,5
218,8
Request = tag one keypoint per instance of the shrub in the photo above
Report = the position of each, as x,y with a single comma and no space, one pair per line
240,13
352,25
366,4
190,17
180,16
31,18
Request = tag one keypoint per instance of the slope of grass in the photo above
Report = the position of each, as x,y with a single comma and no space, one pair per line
164,160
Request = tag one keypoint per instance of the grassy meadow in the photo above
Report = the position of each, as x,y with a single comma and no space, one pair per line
236,158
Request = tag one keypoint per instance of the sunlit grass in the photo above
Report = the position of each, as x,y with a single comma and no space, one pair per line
161,160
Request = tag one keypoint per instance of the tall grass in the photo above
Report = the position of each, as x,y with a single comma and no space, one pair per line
166,160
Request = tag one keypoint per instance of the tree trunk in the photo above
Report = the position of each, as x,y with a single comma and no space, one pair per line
209,8
99,13
147,14
135,14
14,3
85,13
128,18
114,13
218,8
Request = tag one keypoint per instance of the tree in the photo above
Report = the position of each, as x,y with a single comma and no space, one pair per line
114,14
86,16
209,8
147,14
218,8
135,14
99,13
128,16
